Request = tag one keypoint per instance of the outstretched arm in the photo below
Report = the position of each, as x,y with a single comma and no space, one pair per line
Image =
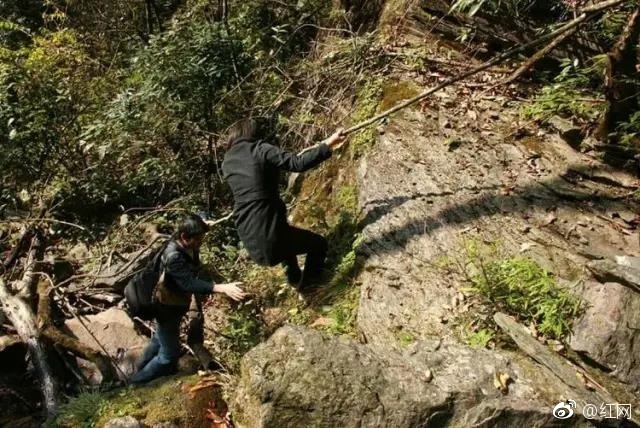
299,162
184,278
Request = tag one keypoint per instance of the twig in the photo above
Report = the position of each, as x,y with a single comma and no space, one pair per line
43,220
122,270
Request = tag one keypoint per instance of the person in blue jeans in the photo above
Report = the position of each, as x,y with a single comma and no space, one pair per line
179,281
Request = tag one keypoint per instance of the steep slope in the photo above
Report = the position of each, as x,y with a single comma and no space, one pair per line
461,170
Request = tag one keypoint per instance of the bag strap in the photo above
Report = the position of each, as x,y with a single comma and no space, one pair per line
161,277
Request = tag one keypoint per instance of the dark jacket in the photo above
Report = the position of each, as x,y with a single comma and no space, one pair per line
252,169
180,277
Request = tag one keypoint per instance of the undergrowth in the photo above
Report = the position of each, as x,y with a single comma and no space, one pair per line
156,402
571,94
368,100
515,285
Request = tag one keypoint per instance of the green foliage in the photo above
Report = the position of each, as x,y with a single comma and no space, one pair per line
511,8
520,287
106,124
405,338
470,7
630,131
279,29
81,411
243,330
573,94
480,338
47,92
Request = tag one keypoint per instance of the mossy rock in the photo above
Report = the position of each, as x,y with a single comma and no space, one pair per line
166,399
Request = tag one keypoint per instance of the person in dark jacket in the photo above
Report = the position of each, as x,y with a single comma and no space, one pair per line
252,168
178,282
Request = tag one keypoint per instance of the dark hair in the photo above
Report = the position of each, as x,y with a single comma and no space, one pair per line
191,226
245,129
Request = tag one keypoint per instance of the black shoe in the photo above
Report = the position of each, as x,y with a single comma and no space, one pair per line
311,281
294,275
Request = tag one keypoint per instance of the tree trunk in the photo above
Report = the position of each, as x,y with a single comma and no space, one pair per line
619,89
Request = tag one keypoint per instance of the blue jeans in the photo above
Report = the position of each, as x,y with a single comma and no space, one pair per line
160,357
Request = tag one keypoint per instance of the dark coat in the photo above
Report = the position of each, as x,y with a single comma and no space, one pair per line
252,169
180,277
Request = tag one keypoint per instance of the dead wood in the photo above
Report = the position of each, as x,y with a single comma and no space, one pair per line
24,321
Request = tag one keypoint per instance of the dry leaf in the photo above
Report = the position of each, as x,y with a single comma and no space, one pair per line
321,322
501,381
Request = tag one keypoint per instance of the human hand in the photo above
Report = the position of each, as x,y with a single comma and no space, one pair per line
232,290
336,140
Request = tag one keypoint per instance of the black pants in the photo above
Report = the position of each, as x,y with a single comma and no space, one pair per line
302,241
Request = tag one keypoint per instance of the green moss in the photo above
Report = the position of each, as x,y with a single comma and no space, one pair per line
405,338
299,316
81,410
160,401
346,198
397,92
367,101
342,314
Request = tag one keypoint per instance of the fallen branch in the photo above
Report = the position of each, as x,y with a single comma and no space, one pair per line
540,54
15,253
561,368
23,319
44,220
23,288
119,272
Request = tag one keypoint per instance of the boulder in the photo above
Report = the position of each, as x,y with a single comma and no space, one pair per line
124,422
609,271
111,331
300,377
608,331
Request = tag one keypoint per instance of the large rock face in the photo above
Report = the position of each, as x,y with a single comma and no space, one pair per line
423,200
300,378
608,331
